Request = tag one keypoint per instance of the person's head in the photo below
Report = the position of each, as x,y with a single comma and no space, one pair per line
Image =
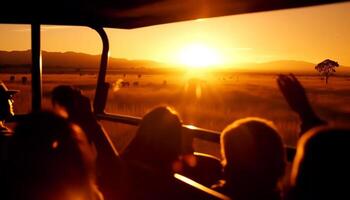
253,154
49,158
158,139
6,102
321,168
63,99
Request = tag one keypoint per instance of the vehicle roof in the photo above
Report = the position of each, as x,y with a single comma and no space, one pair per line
130,14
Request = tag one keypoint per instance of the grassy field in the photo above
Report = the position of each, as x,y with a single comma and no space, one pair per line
207,101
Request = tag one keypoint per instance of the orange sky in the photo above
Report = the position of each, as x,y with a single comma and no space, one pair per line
309,34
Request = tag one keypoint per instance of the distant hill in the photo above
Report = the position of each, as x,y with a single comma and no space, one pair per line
19,61
71,60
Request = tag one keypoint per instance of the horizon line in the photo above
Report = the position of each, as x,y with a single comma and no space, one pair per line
168,63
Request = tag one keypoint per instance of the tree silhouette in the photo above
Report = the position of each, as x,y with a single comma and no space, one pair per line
326,68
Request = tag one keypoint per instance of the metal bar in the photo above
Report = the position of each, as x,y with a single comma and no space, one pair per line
36,68
204,134
102,87
125,119
204,191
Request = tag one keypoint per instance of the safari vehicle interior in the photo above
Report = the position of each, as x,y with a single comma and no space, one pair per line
132,14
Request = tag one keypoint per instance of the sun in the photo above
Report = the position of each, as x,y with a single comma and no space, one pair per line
199,56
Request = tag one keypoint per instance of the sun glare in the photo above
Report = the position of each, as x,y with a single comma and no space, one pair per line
199,56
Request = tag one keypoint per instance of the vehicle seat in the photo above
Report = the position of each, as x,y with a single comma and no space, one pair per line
147,183
207,169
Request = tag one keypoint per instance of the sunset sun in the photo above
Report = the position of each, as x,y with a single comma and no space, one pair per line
199,56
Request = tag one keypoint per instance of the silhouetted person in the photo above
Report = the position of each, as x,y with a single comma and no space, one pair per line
6,107
70,102
158,140
253,160
6,112
321,169
295,95
153,156
50,159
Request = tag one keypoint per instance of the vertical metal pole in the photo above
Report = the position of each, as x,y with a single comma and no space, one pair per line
36,68
102,87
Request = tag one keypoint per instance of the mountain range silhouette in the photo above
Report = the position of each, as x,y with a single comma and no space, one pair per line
12,61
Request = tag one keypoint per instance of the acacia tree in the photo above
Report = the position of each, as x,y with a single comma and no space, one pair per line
326,68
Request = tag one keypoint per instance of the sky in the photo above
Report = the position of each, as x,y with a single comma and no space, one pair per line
310,34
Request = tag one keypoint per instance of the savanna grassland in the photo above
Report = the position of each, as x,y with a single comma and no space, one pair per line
210,101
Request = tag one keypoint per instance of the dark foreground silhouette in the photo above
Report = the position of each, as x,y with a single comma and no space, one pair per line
321,166
71,103
51,159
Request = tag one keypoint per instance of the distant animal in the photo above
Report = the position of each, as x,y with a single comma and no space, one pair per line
12,78
164,82
135,83
139,76
78,70
24,80
125,84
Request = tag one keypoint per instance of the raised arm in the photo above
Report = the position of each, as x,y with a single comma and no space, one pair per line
294,94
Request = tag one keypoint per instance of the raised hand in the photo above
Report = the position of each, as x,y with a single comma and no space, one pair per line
294,94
